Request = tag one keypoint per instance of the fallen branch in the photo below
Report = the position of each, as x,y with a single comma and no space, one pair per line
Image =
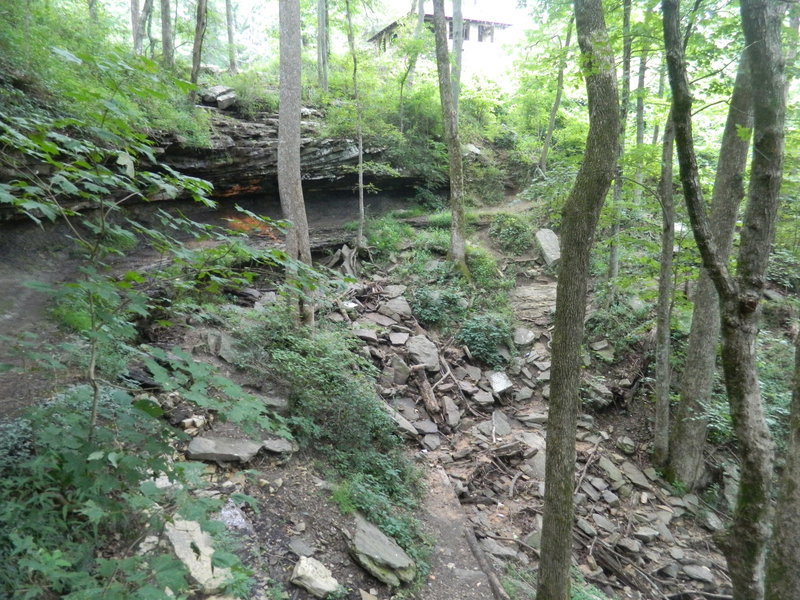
477,552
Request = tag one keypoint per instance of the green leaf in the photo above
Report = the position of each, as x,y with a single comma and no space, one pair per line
96,455
744,133
124,159
66,55
148,407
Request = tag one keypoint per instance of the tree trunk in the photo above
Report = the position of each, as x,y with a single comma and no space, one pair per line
167,48
579,223
298,247
746,542
661,75
641,90
406,78
232,66
783,562
551,124
139,21
664,311
199,35
92,9
685,463
135,16
457,227
458,50
351,42
616,207
323,46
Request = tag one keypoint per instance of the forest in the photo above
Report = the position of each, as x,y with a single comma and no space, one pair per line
371,299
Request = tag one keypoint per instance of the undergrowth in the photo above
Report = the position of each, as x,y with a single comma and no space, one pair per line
336,413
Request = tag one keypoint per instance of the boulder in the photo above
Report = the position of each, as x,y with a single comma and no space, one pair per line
313,576
396,308
524,336
423,352
549,246
217,448
380,555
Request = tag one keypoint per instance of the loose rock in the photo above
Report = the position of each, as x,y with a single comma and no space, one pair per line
424,352
216,448
380,555
313,576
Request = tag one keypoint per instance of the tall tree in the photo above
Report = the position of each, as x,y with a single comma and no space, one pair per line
613,251
411,64
139,21
298,246
458,53
457,226
746,542
551,124
664,310
229,21
641,92
167,45
579,223
688,435
783,562
351,42
92,9
199,35
323,44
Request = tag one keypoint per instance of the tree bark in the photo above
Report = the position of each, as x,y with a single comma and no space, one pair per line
298,247
323,45
689,428
167,48
579,223
351,42
199,35
92,9
139,21
406,78
616,208
458,50
746,542
641,90
232,66
551,123
664,311
783,562
457,226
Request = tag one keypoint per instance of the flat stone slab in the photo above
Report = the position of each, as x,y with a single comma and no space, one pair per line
279,445
217,448
635,475
483,398
396,308
380,555
423,352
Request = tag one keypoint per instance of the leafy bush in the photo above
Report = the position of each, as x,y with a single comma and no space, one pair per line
784,270
486,274
335,411
386,234
511,233
69,497
483,334
256,92
439,307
